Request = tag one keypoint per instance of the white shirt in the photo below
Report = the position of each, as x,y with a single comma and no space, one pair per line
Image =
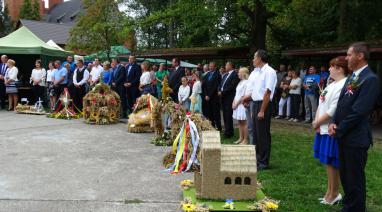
261,80
357,72
84,79
145,78
49,75
12,73
96,72
183,93
196,89
38,74
329,104
296,82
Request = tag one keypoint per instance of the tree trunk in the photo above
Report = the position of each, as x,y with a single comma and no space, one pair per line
260,24
343,22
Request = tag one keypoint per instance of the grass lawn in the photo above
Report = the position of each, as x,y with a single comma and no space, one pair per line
298,180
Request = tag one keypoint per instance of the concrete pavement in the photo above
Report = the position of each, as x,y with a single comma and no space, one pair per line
67,165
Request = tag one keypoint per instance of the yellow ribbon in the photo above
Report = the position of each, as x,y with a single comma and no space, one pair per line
175,143
181,149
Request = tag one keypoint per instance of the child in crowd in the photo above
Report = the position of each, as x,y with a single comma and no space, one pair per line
184,93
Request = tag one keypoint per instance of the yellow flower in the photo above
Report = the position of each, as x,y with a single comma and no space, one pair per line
271,205
188,207
186,182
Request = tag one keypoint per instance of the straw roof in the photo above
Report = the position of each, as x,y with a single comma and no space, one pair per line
238,159
211,140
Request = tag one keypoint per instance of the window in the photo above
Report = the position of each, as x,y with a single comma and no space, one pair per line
247,181
238,180
227,180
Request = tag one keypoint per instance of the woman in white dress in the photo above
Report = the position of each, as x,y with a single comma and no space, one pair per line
183,94
196,99
10,83
238,108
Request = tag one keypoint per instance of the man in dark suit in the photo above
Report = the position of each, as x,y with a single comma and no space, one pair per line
3,69
133,75
227,90
117,80
352,126
210,86
175,78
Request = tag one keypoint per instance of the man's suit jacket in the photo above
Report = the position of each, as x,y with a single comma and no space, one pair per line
210,84
2,72
352,115
229,87
119,75
133,76
175,78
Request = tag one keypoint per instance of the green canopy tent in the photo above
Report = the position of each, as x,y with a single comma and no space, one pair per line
114,52
23,41
25,48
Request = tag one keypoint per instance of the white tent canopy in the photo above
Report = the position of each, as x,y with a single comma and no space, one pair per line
53,44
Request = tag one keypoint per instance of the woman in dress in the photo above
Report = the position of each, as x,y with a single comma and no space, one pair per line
239,112
10,84
145,80
106,73
325,146
196,99
295,96
285,98
183,94
49,84
159,75
37,80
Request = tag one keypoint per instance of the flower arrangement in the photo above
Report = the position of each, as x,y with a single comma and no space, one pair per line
229,204
352,86
101,105
186,184
141,119
188,206
65,108
265,205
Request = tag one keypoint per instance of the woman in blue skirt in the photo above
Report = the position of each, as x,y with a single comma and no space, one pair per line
325,146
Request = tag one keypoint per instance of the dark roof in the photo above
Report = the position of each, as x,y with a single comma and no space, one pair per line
375,51
65,12
197,53
59,33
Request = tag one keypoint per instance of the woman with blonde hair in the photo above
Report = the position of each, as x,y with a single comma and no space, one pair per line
238,108
10,83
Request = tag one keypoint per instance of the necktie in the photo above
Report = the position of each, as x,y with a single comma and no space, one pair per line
225,76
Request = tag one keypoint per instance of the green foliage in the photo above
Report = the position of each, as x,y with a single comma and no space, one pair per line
101,27
6,24
30,11
275,24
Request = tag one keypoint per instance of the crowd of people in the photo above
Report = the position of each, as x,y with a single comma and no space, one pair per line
337,102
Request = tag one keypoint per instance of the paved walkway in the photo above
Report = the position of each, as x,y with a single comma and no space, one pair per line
58,165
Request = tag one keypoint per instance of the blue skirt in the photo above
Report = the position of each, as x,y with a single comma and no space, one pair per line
326,150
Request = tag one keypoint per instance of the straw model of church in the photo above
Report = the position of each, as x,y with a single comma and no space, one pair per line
227,171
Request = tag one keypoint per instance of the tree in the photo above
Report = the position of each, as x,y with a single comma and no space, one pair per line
30,11
6,24
101,27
